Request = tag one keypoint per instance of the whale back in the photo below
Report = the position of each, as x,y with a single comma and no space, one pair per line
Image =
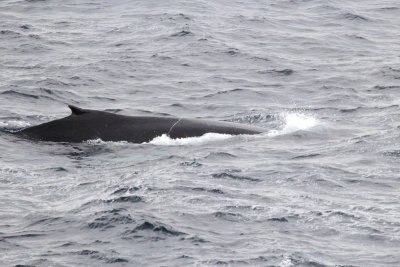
85,124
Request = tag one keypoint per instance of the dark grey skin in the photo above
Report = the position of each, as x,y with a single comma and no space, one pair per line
85,124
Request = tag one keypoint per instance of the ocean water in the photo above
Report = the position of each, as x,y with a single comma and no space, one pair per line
320,188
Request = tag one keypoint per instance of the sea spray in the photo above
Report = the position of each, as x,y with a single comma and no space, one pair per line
293,122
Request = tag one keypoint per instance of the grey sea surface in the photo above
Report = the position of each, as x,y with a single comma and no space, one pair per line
320,188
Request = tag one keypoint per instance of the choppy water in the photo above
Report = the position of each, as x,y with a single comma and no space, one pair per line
321,188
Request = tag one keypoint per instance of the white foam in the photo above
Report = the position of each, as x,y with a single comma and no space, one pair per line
286,262
293,122
13,124
165,140
98,141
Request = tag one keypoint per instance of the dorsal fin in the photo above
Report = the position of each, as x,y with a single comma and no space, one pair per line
76,110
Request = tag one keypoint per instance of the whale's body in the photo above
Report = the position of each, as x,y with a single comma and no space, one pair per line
83,125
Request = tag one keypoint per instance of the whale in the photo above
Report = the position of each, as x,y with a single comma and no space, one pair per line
85,124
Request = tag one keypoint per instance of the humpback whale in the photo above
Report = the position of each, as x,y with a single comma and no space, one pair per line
86,124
